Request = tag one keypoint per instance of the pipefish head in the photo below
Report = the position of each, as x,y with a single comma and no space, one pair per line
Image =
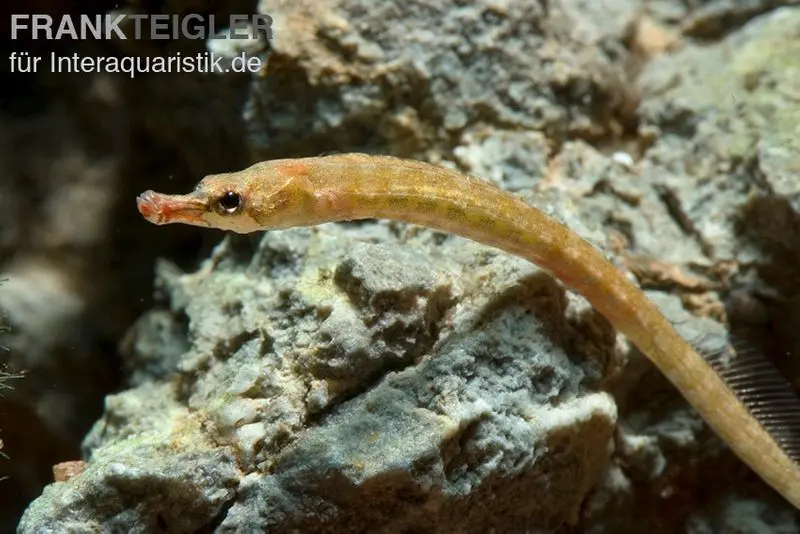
257,198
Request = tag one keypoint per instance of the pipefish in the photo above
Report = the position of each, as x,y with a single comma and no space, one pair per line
756,415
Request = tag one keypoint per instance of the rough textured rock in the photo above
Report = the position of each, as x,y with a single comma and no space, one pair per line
412,78
376,376
726,156
75,149
722,168
440,410
165,475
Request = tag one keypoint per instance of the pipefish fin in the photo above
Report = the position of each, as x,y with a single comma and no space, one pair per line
766,394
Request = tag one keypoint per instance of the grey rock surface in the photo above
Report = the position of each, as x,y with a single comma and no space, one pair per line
411,78
454,397
75,149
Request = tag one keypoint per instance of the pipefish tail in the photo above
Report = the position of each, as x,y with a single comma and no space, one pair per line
309,191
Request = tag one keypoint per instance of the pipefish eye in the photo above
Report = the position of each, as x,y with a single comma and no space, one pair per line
230,202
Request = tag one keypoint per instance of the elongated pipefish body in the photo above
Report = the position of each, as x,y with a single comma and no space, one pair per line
309,191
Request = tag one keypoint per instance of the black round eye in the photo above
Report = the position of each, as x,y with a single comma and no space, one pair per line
230,202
